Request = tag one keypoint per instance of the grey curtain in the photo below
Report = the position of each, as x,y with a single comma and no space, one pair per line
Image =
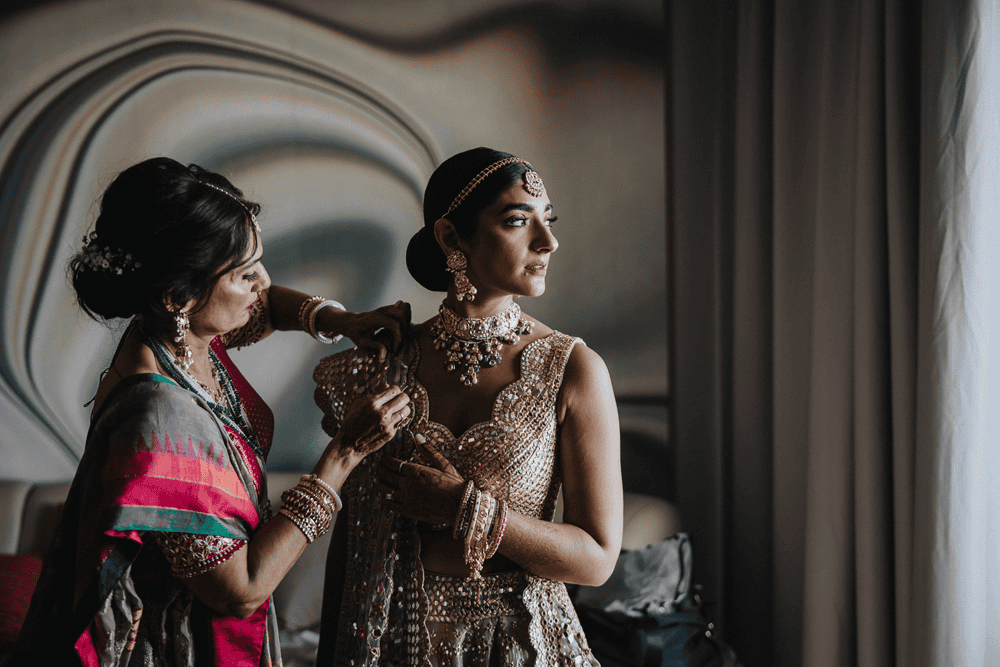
816,188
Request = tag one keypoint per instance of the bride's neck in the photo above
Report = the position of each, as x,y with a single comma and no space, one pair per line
485,307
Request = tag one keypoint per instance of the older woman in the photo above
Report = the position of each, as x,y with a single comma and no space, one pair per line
166,551
447,554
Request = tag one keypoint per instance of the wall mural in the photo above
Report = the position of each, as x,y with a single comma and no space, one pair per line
332,123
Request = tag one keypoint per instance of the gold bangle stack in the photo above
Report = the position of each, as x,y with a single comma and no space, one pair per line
496,532
475,538
479,523
307,317
330,497
462,516
310,505
303,322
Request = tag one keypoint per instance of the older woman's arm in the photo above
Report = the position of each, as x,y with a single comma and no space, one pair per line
241,584
583,549
389,322
278,309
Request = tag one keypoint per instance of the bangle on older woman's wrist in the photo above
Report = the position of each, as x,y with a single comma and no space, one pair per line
304,309
337,503
310,506
325,303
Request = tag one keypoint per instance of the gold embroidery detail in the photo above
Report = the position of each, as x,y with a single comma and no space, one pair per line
191,555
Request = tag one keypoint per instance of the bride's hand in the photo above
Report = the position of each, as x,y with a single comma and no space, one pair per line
426,493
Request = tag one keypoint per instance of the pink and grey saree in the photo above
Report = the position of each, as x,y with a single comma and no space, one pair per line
157,461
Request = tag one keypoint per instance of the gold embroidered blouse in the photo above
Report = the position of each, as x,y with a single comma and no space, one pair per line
391,611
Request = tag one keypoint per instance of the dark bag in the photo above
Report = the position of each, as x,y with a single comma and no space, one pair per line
649,615
682,638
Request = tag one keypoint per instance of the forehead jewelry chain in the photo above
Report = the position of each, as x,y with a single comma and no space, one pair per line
474,343
253,218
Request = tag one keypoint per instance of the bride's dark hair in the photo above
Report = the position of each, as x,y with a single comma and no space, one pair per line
424,258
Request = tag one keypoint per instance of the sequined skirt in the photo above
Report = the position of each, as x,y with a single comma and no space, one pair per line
480,623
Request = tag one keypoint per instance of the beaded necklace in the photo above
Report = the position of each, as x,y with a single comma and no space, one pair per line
232,415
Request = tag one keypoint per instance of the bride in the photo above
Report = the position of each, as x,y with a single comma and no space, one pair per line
446,552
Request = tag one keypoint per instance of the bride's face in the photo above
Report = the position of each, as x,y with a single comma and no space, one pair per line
509,255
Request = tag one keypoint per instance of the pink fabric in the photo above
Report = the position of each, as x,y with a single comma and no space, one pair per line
261,417
85,650
172,481
232,642
189,475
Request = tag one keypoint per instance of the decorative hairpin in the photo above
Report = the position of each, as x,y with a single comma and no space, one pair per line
104,259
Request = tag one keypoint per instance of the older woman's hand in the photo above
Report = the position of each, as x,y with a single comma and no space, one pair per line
380,330
371,421
426,493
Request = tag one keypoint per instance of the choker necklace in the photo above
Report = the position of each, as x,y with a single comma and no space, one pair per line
475,342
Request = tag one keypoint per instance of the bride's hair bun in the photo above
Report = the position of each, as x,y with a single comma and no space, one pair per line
426,261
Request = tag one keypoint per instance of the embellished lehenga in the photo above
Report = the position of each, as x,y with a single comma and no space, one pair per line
166,489
392,611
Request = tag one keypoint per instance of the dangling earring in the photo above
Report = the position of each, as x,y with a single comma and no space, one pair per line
457,265
183,355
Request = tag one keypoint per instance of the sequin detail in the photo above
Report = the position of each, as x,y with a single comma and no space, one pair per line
190,555
513,455
457,599
482,622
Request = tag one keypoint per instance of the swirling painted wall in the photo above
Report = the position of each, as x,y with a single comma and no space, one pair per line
332,115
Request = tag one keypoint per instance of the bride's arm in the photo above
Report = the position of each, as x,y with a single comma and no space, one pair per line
583,548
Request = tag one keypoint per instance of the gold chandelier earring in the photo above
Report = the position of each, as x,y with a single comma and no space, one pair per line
457,265
183,355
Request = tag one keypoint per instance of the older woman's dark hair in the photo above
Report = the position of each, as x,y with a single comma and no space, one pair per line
424,257
179,233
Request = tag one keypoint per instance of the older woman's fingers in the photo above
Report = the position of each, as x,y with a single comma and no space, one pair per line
394,321
391,398
399,323
388,325
402,415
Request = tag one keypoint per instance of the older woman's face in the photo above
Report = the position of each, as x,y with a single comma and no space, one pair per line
228,306
513,243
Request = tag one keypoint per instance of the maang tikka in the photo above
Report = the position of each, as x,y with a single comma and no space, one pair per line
457,264
183,355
